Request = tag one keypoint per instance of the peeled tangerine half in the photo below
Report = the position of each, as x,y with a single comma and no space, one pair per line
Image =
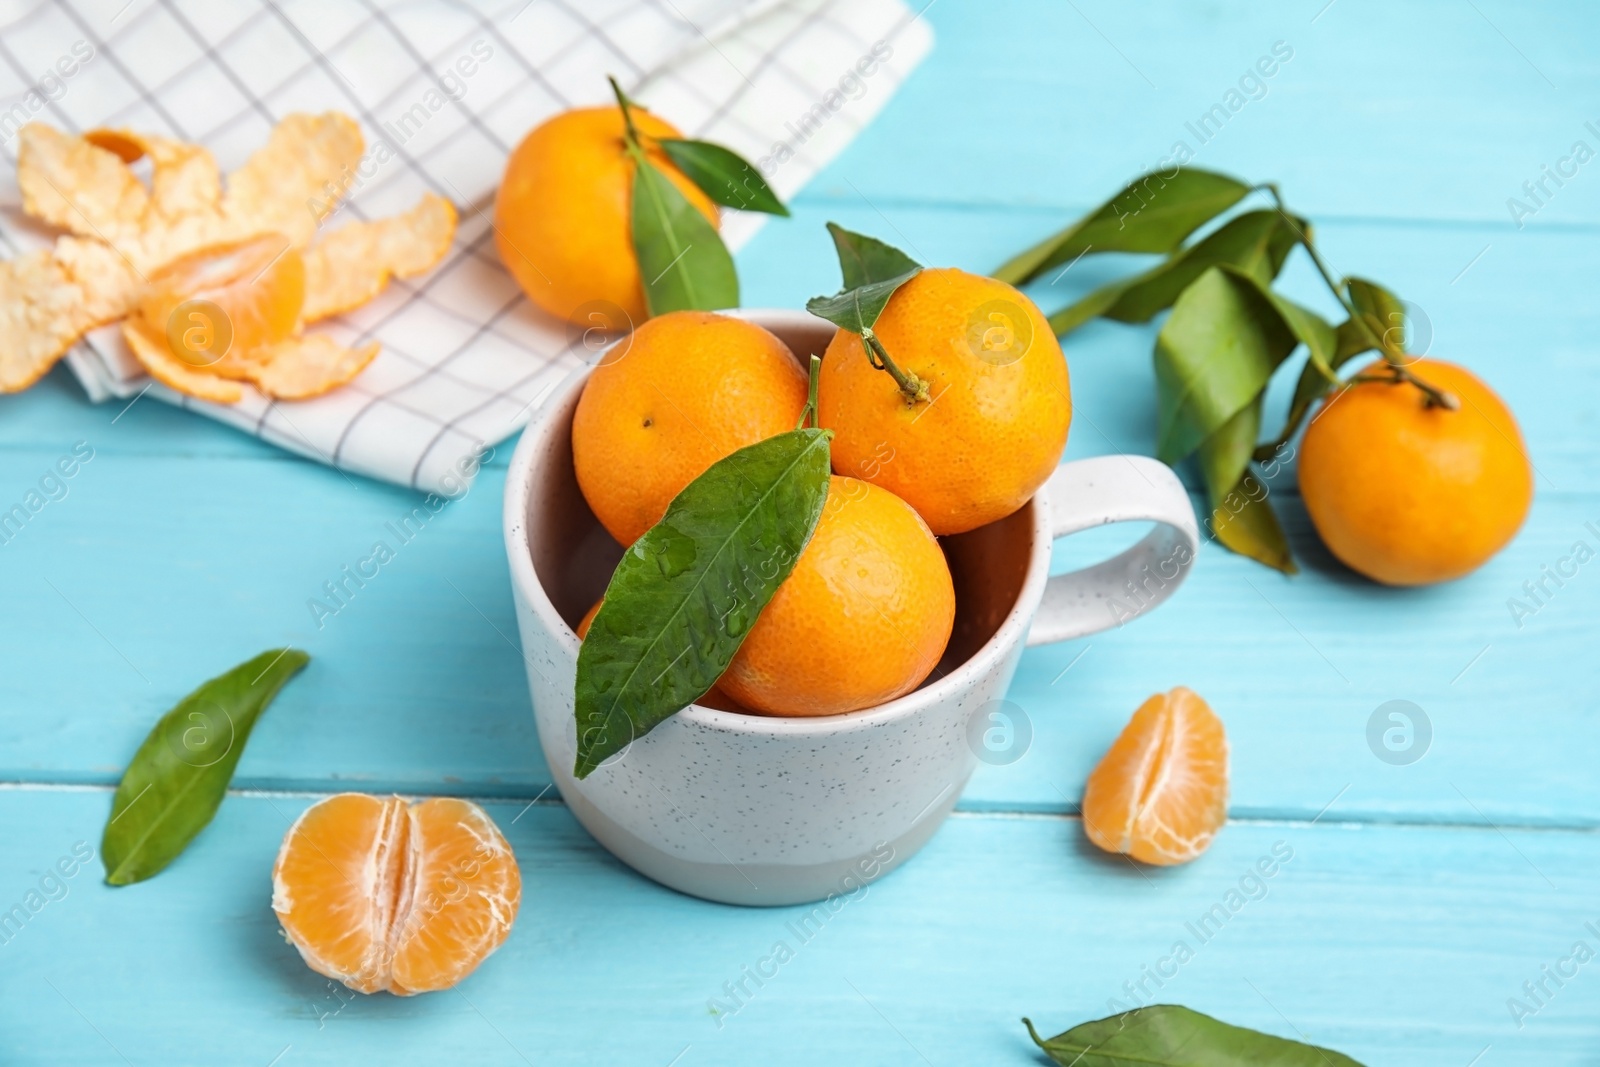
1160,794
384,895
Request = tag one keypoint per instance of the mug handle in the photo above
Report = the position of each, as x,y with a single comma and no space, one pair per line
1094,492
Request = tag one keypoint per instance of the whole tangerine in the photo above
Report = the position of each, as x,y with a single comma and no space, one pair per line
998,403
563,215
861,619
1409,492
683,391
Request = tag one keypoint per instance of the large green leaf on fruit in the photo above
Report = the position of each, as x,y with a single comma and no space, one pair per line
1214,355
1256,242
1169,1035
177,779
682,260
686,593
723,175
1154,213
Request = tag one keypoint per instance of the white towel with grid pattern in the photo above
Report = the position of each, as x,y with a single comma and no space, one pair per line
465,358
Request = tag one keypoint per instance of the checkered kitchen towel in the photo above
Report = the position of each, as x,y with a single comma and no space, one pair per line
465,359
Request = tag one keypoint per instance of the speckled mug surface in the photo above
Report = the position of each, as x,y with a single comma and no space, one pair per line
747,809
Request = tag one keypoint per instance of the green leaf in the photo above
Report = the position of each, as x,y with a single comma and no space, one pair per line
686,594
1316,377
1167,1035
1241,518
1213,356
1225,455
1380,320
872,272
1244,522
1256,243
684,264
858,309
864,260
723,175
1153,213
181,772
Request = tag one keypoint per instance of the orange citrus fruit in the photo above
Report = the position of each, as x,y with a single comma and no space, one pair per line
862,618
683,391
383,895
995,420
1161,793
563,216
217,305
1409,493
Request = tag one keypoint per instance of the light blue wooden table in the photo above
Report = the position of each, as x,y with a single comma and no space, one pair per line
1418,898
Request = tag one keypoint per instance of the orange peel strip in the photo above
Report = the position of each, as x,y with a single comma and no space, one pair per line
184,179
50,298
172,372
309,160
78,186
303,367
352,265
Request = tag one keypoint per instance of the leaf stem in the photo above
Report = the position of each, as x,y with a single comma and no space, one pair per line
914,388
1391,352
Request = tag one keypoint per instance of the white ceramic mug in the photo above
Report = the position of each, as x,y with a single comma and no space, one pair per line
754,810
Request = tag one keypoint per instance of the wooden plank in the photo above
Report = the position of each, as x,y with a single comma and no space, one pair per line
1395,945
157,573
1432,109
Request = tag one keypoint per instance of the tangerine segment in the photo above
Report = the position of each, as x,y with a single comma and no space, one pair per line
1160,794
862,618
382,895
229,298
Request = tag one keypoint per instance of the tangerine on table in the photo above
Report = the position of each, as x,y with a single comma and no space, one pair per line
1160,793
683,391
999,403
258,286
862,618
1410,493
563,216
383,895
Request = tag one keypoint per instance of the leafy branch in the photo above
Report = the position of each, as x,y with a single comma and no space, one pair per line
1228,330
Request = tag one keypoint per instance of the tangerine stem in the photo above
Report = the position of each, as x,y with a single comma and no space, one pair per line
1392,353
914,388
809,412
